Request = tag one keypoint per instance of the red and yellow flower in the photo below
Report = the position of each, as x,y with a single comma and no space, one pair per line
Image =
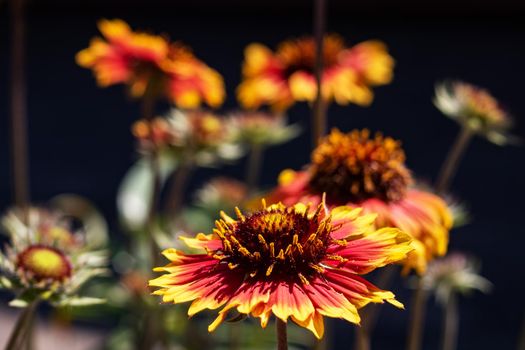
150,64
288,261
285,76
369,172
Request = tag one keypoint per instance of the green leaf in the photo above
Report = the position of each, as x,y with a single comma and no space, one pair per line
18,303
135,191
81,301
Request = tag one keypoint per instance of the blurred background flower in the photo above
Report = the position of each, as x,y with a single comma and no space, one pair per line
151,65
475,109
281,78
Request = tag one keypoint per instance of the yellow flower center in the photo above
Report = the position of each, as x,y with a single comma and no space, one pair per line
43,262
299,55
278,241
353,167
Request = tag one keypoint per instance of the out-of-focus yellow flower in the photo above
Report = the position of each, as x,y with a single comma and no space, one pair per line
475,109
285,76
358,170
296,264
150,64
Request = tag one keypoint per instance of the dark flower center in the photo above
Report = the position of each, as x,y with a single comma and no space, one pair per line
300,55
279,242
353,167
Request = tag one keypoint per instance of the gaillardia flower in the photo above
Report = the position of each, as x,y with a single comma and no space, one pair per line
200,135
359,170
150,64
46,259
475,109
286,260
285,76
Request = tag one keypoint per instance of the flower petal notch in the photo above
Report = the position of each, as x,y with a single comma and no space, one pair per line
281,78
361,170
290,261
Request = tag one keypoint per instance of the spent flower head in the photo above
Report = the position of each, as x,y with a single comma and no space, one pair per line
295,263
455,273
200,135
46,258
368,171
475,109
282,77
258,128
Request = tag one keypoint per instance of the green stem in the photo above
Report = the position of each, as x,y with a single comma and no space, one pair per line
417,317
319,111
451,323
148,111
451,163
253,168
282,337
22,329
178,186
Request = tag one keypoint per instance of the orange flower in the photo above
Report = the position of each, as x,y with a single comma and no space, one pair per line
150,64
356,170
287,261
280,78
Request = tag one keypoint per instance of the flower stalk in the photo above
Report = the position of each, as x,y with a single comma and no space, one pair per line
23,328
178,184
253,168
451,163
148,111
417,317
282,336
18,106
319,112
451,322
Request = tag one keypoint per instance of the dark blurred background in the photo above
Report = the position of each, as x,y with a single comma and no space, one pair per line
80,139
